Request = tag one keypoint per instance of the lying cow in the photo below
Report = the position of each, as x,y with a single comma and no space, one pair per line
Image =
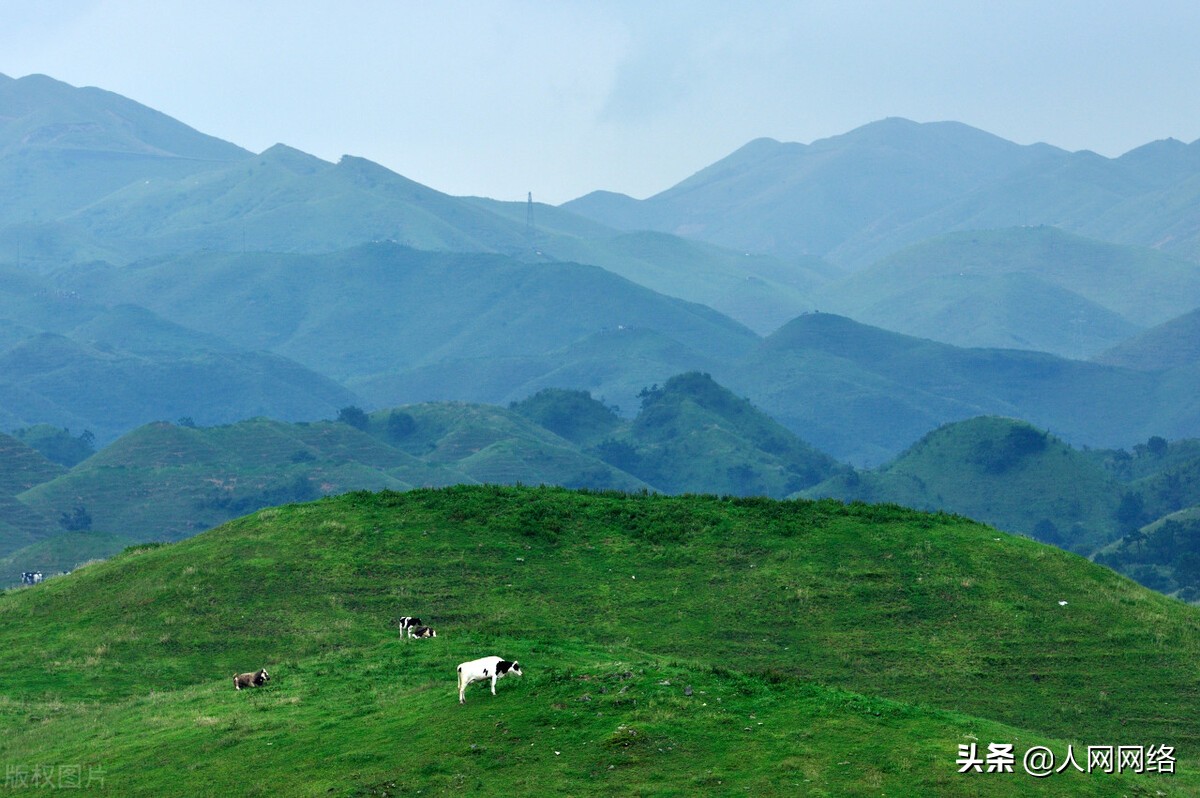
408,622
421,631
478,670
256,679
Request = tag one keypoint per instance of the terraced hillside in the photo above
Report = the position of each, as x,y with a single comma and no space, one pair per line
671,645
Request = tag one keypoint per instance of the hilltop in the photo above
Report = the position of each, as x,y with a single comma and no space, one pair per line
843,633
999,471
691,436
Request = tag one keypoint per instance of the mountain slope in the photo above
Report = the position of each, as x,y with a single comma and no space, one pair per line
1035,287
286,201
166,482
383,308
1170,345
21,468
864,394
68,359
69,147
53,379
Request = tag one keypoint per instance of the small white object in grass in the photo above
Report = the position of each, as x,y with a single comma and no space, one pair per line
1062,603
557,753
633,577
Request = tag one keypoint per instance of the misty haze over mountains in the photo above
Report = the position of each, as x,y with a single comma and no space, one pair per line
862,291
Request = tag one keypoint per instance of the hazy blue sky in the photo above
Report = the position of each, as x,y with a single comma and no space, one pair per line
564,97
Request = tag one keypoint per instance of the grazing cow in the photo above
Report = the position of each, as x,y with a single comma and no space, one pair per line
407,623
421,631
256,679
485,668
31,577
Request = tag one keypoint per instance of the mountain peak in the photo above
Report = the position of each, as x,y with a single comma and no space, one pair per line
49,114
293,159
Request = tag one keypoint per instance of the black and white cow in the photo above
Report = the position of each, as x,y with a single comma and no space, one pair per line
421,631
256,679
478,670
409,622
31,577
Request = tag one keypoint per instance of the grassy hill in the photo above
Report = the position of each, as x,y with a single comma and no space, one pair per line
833,650
691,435
695,435
61,551
1163,555
21,468
1000,471
492,444
166,482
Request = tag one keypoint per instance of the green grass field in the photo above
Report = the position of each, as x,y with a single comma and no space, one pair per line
830,649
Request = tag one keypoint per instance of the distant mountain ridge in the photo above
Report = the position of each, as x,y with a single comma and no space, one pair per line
68,147
862,195
105,178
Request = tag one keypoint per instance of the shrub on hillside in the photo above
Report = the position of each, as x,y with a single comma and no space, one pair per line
354,416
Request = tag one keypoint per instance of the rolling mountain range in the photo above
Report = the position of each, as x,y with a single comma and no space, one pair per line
168,481
155,274
286,400
122,182
397,326
853,199
1035,288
